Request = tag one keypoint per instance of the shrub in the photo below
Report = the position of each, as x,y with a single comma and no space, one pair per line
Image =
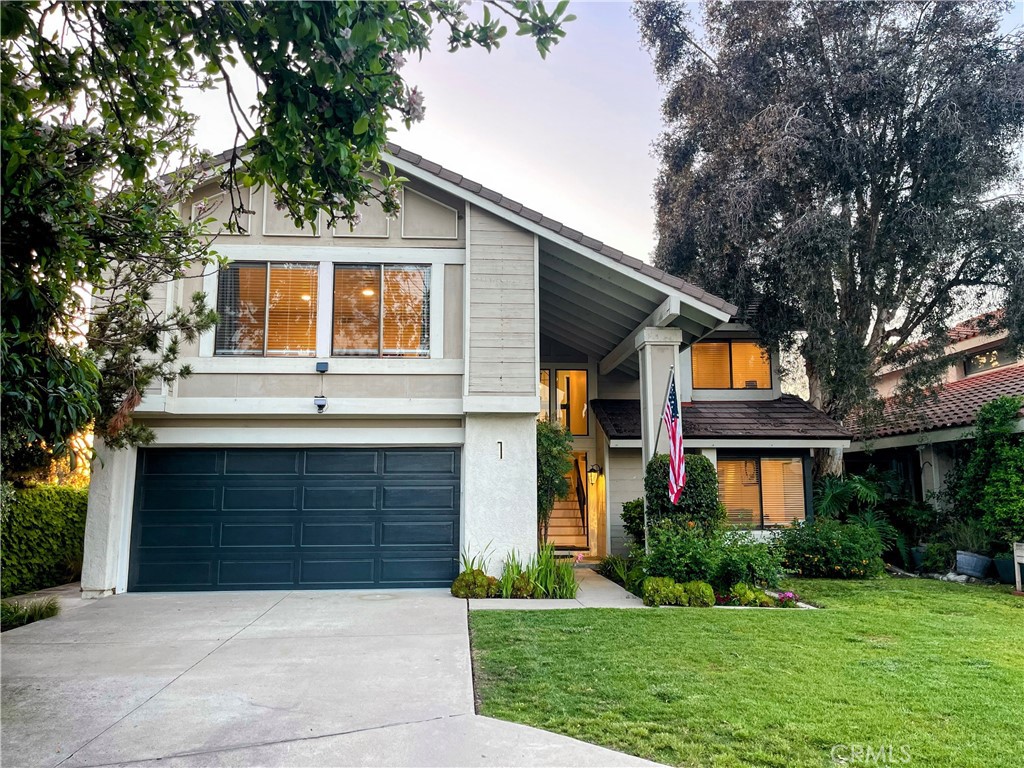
684,553
993,431
660,590
937,558
699,501
633,520
699,594
1003,497
15,614
475,584
41,536
626,572
554,460
826,548
968,536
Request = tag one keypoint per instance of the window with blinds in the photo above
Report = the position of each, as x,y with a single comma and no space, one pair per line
762,492
266,310
730,365
381,311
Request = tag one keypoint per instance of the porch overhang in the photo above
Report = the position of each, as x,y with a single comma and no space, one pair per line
600,307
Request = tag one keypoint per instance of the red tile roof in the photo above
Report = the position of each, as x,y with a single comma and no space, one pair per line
968,329
952,405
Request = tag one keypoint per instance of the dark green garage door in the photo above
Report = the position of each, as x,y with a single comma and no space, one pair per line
285,518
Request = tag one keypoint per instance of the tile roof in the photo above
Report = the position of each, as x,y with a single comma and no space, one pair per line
976,326
788,417
561,229
953,405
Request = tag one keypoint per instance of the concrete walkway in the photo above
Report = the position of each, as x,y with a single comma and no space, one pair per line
260,678
595,592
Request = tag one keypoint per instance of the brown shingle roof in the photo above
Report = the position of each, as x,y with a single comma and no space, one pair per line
561,229
952,405
788,417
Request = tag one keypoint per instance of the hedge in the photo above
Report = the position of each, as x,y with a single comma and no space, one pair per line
41,538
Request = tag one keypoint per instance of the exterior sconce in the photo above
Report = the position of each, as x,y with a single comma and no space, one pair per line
594,472
321,403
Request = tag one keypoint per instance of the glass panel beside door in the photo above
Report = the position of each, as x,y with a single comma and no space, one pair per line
565,399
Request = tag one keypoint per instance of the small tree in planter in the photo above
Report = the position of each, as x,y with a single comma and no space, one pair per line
554,460
699,501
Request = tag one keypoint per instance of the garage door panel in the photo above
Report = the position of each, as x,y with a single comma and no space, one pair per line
347,462
405,533
175,535
198,462
340,498
354,534
256,573
338,573
343,518
257,535
175,573
275,499
256,462
181,500
419,463
419,497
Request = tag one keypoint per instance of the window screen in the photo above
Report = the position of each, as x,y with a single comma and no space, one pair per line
750,366
739,489
782,491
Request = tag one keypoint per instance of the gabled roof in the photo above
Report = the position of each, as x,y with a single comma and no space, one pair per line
558,228
788,417
953,405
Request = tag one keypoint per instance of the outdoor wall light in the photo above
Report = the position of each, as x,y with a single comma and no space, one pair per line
321,403
594,472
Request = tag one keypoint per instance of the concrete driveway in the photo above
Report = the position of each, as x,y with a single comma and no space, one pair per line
259,678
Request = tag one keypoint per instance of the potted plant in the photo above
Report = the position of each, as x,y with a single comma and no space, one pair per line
971,540
1004,566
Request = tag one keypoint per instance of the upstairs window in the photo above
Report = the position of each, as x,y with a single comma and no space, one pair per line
267,310
564,398
987,360
381,311
730,365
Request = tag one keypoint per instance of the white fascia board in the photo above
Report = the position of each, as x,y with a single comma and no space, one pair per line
662,316
706,443
501,404
302,437
638,444
303,406
341,254
547,234
349,366
152,404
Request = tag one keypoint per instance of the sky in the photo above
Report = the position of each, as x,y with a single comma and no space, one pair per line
571,136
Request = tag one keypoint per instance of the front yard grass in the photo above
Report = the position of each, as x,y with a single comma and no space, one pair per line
932,670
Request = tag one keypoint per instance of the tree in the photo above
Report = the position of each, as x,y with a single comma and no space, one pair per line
846,172
93,121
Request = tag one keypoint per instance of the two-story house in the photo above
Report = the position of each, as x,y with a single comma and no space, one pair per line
366,408
920,441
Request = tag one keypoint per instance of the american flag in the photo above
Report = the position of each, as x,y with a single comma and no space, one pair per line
677,459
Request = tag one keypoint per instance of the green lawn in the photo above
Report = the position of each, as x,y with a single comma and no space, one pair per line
935,668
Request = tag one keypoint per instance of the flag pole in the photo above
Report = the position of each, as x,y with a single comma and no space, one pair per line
657,438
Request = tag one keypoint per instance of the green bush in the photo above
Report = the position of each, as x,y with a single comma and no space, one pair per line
1003,497
633,520
938,557
660,590
15,614
826,548
699,594
699,501
684,553
475,584
41,536
626,572
554,460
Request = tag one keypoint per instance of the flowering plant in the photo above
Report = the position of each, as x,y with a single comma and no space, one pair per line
788,599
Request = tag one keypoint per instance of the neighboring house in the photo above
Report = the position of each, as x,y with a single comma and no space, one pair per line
921,441
366,409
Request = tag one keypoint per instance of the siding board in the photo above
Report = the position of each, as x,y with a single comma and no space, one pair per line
502,308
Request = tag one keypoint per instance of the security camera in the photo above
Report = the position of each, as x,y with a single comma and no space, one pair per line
321,403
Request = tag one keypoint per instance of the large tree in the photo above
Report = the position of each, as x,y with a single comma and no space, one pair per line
847,172
93,123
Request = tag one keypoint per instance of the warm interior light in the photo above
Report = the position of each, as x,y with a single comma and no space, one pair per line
367,291
306,297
